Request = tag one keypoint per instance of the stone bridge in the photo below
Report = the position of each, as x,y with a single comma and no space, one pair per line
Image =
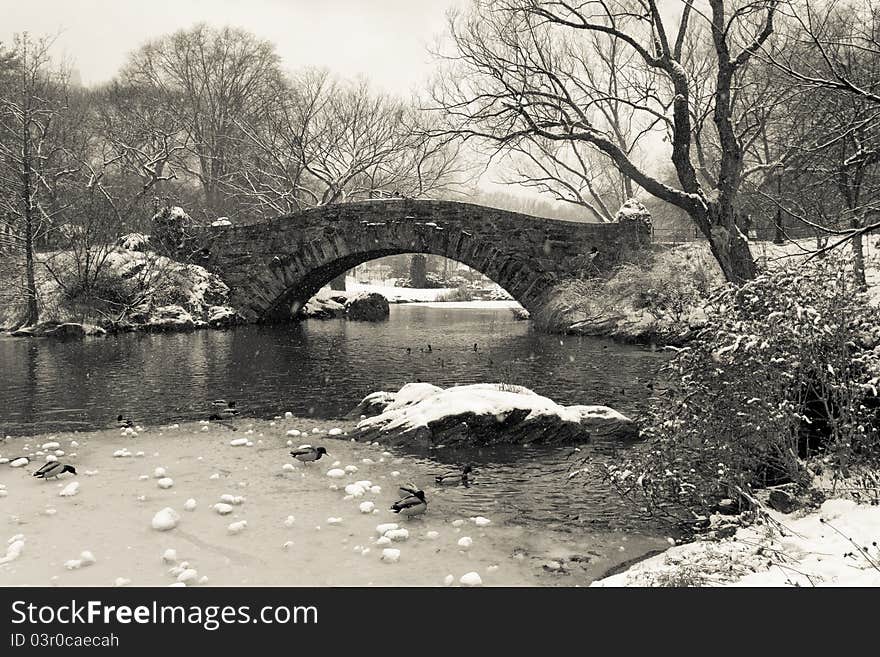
272,268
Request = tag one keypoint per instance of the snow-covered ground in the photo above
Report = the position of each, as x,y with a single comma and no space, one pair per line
836,545
397,294
427,297
160,502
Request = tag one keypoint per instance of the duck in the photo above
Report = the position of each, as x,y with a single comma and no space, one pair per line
307,453
411,505
407,489
124,422
475,346
222,403
54,469
454,478
226,413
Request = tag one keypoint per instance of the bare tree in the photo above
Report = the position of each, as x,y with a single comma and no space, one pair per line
33,99
572,171
323,141
214,79
508,79
835,60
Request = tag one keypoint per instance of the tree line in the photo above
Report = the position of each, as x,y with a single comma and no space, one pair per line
732,112
204,118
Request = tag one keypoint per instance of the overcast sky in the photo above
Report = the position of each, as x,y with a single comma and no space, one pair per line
383,39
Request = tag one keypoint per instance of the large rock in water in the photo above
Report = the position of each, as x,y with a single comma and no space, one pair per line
367,307
360,306
483,414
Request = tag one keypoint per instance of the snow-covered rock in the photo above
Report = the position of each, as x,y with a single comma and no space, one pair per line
470,579
14,548
237,527
190,505
397,535
465,542
336,473
366,507
165,519
165,482
70,489
484,414
223,509
390,555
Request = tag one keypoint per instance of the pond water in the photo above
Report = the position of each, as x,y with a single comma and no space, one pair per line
322,369
317,368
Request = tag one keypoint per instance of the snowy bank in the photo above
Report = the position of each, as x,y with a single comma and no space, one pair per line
483,413
833,546
151,293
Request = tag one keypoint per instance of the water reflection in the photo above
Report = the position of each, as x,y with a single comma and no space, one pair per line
315,368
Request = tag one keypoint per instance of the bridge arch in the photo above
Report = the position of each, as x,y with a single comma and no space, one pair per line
273,266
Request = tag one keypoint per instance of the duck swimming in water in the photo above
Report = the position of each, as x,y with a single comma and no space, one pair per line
124,422
455,478
407,489
412,505
54,469
307,453
224,414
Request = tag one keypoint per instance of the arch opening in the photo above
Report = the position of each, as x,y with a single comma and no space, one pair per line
290,300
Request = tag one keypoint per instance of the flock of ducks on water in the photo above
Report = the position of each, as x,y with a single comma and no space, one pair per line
412,501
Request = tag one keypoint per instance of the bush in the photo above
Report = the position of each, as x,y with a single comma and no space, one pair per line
461,293
656,290
785,370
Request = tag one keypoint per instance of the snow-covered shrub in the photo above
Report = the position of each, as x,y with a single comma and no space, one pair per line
782,378
656,291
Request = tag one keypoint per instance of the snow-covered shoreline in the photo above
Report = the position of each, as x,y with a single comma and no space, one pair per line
835,545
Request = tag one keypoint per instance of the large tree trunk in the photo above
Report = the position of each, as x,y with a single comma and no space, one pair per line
858,259
33,312
728,244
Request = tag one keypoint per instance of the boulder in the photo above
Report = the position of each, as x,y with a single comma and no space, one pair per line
367,307
316,308
70,330
223,316
170,318
782,500
483,414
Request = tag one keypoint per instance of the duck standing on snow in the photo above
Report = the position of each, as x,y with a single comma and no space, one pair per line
412,505
54,469
307,453
455,478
